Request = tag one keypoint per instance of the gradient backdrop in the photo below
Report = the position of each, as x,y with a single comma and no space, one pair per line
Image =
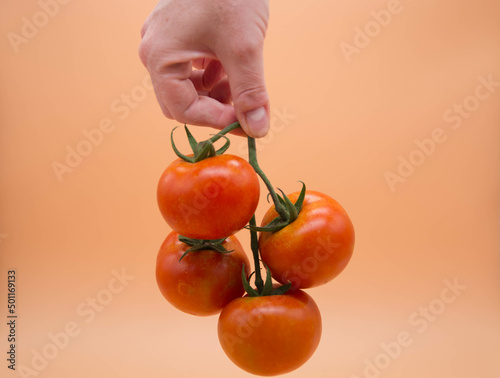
395,117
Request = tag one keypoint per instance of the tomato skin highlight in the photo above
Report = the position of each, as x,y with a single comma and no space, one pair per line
270,335
204,281
210,199
313,249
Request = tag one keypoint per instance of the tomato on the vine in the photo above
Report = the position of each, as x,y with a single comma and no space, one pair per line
210,199
314,248
270,335
203,281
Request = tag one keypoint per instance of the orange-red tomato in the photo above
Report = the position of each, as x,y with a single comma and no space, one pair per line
313,249
204,281
270,335
210,199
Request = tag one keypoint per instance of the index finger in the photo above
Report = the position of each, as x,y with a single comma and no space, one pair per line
178,97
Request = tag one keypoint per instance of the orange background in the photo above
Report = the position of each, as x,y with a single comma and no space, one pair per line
352,121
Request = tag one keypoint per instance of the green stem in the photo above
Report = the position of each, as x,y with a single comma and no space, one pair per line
254,244
252,159
224,131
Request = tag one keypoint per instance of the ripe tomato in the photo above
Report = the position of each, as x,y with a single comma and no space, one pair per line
210,199
313,249
204,281
270,335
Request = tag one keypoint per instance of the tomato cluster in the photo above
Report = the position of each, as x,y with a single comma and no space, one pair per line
306,239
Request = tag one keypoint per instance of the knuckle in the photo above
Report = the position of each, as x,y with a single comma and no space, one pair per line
247,48
247,96
145,48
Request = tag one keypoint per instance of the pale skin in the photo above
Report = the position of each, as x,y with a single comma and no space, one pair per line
205,58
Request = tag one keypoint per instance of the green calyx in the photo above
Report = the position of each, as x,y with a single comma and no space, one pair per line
289,212
203,245
263,290
205,149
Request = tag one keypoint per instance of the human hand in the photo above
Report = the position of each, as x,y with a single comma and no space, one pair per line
204,55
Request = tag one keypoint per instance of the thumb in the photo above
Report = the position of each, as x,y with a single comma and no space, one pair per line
245,72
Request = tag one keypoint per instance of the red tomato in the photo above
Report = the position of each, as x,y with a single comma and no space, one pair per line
314,248
270,335
210,199
204,281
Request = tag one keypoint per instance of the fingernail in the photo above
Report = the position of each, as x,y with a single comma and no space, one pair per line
258,122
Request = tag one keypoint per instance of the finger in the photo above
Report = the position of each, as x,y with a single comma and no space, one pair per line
204,80
221,92
163,108
201,63
177,96
244,66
